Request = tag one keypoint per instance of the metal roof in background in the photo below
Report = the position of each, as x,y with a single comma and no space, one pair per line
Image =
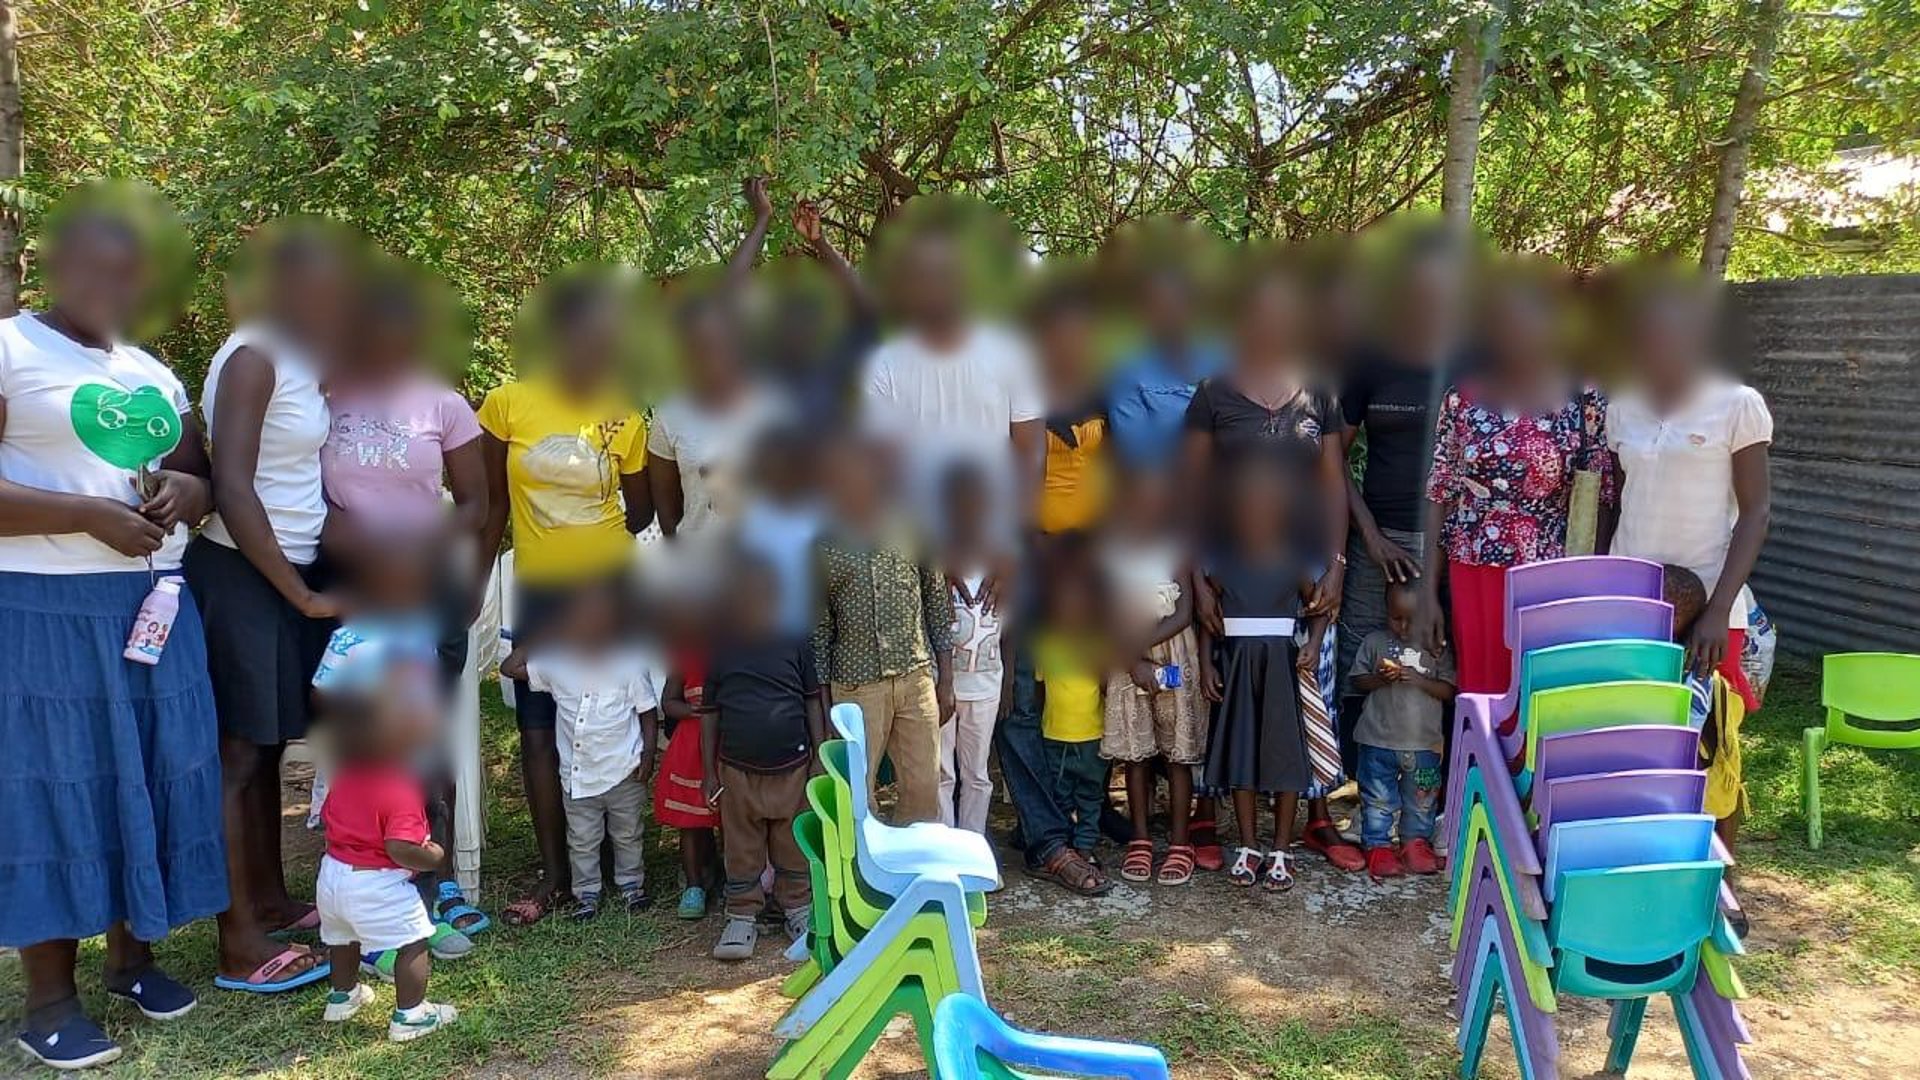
1839,362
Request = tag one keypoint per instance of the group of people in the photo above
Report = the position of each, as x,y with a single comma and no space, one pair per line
1175,513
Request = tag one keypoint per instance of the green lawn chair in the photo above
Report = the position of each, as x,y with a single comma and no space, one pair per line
1639,702
1880,689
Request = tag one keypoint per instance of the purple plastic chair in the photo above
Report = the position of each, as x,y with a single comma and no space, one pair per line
1580,576
1626,793
1616,749
1476,748
1483,899
1567,622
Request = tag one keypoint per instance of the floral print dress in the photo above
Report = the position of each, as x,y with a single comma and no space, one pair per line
1506,479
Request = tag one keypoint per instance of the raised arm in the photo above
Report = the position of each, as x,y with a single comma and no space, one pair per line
806,222
744,256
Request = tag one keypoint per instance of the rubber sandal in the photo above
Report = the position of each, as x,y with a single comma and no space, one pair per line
1342,855
1177,868
305,924
446,943
379,964
1137,864
450,906
1207,853
1246,867
261,980
1279,873
526,911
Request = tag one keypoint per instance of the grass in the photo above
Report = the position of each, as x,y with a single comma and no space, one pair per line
529,997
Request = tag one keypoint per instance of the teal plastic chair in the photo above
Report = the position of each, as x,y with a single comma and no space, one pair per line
1603,843
1633,931
1872,701
972,1042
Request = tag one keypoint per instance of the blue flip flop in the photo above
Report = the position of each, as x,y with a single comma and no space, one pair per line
450,893
261,981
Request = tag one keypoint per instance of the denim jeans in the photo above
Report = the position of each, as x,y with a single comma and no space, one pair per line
1044,827
1080,786
1406,782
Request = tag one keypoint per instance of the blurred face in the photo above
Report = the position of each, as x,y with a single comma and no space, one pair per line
1521,328
97,277
587,342
1070,600
753,613
386,341
854,481
1400,613
1167,307
968,509
1671,337
933,280
1065,341
312,293
1429,299
1147,504
710,348
1271,319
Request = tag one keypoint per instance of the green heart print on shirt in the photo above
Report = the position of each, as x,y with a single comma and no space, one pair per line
128,430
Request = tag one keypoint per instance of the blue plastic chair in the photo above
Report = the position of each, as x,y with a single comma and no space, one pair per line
1633,931
890,855
965,1028
1621,793
1604,843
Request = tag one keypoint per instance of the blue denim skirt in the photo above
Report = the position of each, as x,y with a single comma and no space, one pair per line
110,770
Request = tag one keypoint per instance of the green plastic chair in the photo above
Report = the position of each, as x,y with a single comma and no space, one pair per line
1879,688
1644,702
916,971
1633,931
865,904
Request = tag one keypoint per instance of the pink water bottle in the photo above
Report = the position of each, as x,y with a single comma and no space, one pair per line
154,623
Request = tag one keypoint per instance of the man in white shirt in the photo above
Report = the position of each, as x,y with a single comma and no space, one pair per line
950,384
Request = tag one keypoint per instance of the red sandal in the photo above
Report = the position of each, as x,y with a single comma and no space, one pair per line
1207,853
1177,869
1137,864
1342,855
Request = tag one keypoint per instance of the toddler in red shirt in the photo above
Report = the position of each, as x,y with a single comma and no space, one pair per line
377,839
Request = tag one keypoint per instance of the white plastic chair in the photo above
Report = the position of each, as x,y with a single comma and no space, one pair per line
892,856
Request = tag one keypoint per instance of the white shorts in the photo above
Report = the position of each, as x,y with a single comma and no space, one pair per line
377,909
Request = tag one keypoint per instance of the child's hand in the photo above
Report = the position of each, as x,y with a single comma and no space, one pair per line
515,665
1144,676
1309,657
1390,669
1211,687
710,788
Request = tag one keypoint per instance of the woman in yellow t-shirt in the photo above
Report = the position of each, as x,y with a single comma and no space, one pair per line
564,451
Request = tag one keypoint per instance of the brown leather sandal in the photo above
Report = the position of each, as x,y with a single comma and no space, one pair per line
1071,871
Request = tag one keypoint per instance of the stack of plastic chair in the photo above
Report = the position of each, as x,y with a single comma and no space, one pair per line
1583,863
893,917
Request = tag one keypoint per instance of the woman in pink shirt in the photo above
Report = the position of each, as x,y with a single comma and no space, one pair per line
401,441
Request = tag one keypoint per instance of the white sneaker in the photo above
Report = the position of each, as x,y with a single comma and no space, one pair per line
342,1006
428,1018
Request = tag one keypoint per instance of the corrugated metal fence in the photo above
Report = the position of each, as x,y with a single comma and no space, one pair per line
1839,362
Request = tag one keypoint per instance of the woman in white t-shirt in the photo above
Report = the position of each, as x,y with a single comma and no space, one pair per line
1692,446
701,441
255,569
110,784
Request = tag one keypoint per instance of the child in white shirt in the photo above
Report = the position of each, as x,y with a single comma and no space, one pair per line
605,728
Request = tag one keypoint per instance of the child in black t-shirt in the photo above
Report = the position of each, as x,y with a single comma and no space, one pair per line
763,717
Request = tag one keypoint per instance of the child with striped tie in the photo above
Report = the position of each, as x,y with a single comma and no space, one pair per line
1263,738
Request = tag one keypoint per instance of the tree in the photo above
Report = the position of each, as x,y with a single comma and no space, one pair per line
1735,145
12,161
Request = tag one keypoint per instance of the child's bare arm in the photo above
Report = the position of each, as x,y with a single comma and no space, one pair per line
673,700
515,665
423,856
649,735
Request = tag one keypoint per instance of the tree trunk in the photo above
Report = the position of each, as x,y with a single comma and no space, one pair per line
1463,127
12,158
1731,179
